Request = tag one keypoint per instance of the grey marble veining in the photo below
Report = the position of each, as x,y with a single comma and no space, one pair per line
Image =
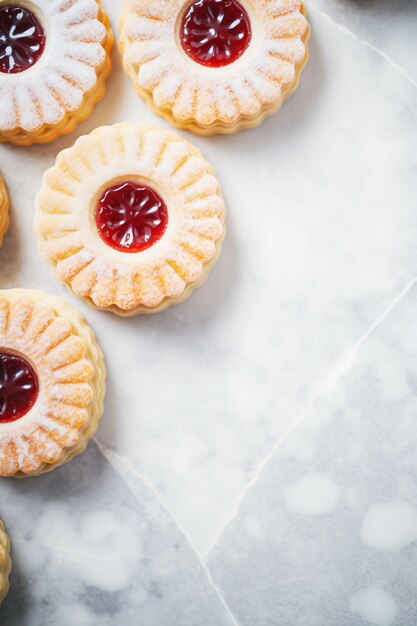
327,535
388,25
321,242
88,551
322,215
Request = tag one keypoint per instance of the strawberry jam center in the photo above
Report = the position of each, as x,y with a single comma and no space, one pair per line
131,217
22,39
215,32
19,386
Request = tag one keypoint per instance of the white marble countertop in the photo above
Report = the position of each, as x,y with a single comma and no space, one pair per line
257,461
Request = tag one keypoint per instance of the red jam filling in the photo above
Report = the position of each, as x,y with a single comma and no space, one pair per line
22,39
19,386
131,217
215,32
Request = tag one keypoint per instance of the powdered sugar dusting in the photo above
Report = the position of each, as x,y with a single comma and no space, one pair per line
110,277
35,329
210,95
56,84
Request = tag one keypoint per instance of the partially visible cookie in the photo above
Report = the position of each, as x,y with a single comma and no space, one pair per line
52,382
131,218
4,209
54,61
5,562
214,66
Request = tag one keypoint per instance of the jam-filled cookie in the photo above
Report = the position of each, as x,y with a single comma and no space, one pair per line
52,382
214,66
4,209
5,562
131,218
54,60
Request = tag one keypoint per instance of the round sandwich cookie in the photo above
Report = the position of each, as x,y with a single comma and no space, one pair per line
52,382
54,61
214,66
130,218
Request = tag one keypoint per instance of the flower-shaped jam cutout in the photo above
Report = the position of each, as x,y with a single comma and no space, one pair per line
131,217
19,386
215,32
22,39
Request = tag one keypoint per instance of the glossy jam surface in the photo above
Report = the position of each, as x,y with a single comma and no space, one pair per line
215,32
22,39
19,386
131,217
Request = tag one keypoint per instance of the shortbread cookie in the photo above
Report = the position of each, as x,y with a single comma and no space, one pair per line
214,66
131,218
4,209
5,562
54,60
52,382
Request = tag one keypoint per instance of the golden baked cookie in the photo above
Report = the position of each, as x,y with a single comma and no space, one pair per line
130,218
54,61
5,562
4,209
214,66
52,382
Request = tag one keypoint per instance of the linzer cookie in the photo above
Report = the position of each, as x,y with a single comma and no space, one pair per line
52,385
54,60
131,218
5,562
214,66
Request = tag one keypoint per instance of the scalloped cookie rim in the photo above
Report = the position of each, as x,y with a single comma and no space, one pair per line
49,132
93,409
45,233
243,121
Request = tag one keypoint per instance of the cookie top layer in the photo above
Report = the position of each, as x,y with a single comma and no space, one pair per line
178,58
58,59
47,373
151,185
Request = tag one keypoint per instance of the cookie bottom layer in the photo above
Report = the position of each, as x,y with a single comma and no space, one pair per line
4,209
48,132
218,128
167,301
95,356
5,562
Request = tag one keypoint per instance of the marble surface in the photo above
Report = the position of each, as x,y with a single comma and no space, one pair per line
328,533
90,549
256,460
